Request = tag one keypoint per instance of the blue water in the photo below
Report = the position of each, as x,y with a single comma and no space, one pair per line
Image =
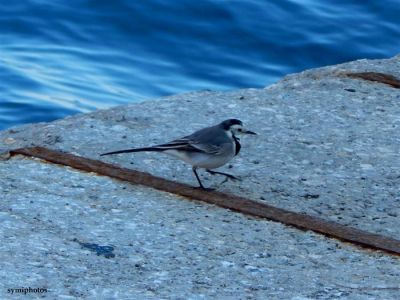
60,57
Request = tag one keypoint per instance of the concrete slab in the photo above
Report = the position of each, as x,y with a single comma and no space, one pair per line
164,247
328,146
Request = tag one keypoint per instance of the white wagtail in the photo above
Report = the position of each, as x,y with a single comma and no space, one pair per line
208,148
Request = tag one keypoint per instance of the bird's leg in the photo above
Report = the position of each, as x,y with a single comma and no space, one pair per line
198,178
221,173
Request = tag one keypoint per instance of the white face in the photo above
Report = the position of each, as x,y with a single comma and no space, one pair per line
238,130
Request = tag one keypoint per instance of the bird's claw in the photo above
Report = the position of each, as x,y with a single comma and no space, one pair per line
206,189
233,177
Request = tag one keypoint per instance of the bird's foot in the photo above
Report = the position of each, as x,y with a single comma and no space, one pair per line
207,189
232,177
225,174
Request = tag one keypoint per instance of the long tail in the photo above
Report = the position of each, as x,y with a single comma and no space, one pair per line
156,149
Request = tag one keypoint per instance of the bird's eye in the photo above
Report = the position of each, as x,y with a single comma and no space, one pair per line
240,129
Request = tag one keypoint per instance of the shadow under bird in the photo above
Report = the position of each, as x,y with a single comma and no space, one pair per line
208,148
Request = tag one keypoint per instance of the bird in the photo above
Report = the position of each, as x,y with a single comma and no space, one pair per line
208,148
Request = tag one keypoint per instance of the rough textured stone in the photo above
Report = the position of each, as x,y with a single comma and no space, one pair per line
328,145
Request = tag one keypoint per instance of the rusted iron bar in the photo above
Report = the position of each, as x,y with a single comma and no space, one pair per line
378,77
236,203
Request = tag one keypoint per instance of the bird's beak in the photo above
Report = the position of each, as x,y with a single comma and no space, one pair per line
250,132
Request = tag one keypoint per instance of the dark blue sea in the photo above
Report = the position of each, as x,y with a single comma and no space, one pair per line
60,57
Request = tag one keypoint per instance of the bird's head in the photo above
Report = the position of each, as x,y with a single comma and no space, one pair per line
235,126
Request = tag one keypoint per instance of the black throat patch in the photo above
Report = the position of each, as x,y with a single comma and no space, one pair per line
237,145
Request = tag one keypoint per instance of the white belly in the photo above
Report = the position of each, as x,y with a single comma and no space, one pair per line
201,160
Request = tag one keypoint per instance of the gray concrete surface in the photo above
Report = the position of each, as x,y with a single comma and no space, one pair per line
328,146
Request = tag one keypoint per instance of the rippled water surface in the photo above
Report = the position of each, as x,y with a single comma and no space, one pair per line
60,57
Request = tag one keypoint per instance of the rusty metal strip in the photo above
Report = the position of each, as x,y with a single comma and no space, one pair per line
377,77
236,203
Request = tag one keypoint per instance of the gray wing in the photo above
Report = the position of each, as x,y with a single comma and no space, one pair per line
188,144
207,148
210,140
